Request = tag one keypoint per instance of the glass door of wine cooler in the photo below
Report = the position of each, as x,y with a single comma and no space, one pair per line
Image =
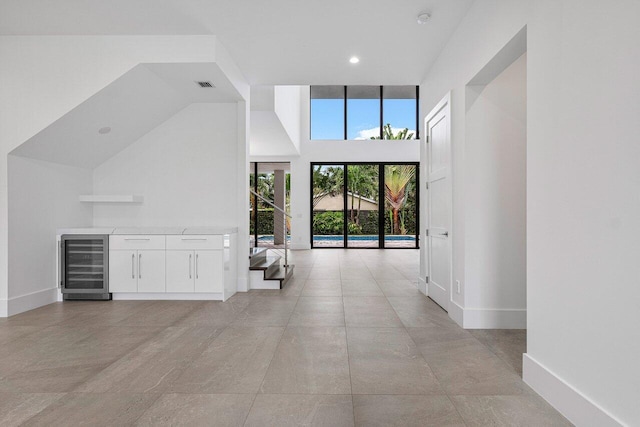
85,267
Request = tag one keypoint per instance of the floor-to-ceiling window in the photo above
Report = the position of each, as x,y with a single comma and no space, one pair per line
364,205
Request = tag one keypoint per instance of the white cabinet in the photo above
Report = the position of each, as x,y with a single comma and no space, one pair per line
209,271
151,271
123,276
195,271
135,268
173,264
180,271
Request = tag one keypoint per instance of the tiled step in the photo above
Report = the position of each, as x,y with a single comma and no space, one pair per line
283,274
257,255
268,264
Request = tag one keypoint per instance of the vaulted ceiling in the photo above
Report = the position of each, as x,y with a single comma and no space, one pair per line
274,41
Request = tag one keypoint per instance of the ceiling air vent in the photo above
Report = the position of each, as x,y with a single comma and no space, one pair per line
205,84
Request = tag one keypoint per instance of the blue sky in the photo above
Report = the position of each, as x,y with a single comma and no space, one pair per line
327,117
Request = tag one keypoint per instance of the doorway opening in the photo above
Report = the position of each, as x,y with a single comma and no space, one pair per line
365,205
272,181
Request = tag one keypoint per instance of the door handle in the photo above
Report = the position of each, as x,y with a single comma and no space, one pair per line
190,257
445,234
196,266
133,260
139,266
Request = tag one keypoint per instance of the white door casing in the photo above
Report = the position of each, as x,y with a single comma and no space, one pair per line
439,202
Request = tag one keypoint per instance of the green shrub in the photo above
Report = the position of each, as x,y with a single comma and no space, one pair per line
328,223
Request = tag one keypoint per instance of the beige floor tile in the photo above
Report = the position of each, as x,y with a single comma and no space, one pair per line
94,409
267,311
405,411
361,288
310,361
367,312
398,288
507,411
322,288
468,367
290,410
419,311
318,311
153,366
507,344
15,408
235,362
198,410
386,361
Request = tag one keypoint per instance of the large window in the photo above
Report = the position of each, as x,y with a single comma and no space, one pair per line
364,205
364,112
327,112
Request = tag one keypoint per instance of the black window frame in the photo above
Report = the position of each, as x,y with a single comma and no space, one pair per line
345,99
381,173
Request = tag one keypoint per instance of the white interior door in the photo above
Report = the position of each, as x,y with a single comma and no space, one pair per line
439,197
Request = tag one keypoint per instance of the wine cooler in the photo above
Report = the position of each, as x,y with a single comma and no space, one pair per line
85,267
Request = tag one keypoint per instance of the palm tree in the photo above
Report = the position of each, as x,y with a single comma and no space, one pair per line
327,181
387,133
396,179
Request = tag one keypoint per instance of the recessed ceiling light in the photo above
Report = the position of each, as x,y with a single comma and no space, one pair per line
104,130
354,59
424,17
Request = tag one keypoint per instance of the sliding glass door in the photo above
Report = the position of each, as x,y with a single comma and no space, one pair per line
328,205
363,221
364,205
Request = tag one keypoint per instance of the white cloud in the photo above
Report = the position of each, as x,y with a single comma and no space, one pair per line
368,133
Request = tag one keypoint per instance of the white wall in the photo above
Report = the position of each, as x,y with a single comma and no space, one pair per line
583,105
44,77
185,169
495,206
43,197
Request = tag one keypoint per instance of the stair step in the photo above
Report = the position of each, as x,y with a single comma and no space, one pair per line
283,274
257,253
264,263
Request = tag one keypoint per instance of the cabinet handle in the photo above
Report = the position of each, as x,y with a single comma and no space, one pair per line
137,239
139,266
133,260
194,239
196,266
190,256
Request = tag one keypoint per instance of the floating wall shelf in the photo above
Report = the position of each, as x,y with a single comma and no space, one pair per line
121,198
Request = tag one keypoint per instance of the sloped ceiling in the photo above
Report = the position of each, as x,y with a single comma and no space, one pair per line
131,106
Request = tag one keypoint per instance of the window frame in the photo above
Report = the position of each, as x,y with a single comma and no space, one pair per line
381,124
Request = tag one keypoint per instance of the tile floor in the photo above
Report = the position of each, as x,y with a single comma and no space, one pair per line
349,341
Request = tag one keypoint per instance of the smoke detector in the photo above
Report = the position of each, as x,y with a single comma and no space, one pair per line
424,17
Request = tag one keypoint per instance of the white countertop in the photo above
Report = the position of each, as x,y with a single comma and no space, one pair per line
150,230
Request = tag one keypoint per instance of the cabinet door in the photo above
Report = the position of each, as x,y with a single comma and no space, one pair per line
209,271
123,272
180,271
151,271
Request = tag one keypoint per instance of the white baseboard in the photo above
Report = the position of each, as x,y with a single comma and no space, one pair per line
495,318
243,284
422,286
256,279
167,296
571,403
456,312
300,246
22,303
